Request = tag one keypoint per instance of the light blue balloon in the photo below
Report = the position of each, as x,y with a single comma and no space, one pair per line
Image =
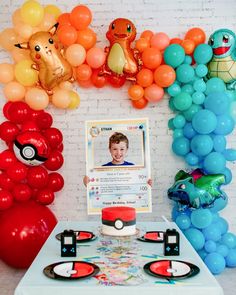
210,246
183,221
202,253
211,232
191,111
201,70
184,73
231,258
181,146
201,145
182,101
215,262
175,212
229,240
174,55
178,133
204,122
188,131
203,54
179,121
230,154
223,225
228,175
187,88
198,97
219,204
217,102
232,111
225,125
201,218
195,238
215,85
222,250
219,143
191,159
214,163
174,89
199,85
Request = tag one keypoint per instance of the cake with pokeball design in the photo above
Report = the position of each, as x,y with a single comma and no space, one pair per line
119,221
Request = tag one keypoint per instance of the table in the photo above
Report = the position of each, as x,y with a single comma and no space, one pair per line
116,258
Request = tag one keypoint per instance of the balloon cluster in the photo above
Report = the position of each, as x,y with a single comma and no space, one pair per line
34,147
204,228
38,59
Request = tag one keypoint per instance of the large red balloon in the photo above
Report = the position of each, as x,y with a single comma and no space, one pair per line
25,227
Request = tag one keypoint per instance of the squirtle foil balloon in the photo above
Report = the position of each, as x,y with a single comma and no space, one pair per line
47,54
223,63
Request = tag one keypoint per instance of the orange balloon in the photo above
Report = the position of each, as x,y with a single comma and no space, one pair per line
80,17
85,84
147,35
83,72
19,54
188,46
14,91
175,41
136,92
197,35
142,44
67,35
6,72
87,38
140,104
164,76
153,93
64,19
145,77
151,58
8,39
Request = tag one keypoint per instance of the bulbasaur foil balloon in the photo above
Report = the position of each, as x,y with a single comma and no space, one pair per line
223,63
196,190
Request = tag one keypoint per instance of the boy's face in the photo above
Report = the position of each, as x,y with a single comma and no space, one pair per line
118,152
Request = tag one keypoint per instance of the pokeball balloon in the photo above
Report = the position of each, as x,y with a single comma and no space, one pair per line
31,148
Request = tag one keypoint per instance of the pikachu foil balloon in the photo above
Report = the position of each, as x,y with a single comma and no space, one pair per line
47,54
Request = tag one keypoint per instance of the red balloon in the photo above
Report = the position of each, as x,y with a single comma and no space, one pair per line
29,126
35,114
60,147
54,161
54,137
97,80
17,171
22,192
6,199
19,112
55,181
6,182
44,120
5,109
45,196
7,158
140,104
8,131
25,227
116,81
37,177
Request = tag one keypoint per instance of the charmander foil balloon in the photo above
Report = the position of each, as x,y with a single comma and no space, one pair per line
47,54
121,58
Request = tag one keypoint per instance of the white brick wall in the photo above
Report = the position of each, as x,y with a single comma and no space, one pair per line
173,17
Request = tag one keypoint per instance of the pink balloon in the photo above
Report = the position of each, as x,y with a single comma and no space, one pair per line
153,93
160,41
95,57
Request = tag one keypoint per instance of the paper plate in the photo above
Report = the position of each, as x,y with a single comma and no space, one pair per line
81,236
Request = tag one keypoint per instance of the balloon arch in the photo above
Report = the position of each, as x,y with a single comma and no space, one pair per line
50,50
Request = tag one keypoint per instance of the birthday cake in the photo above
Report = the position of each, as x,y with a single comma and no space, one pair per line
118,221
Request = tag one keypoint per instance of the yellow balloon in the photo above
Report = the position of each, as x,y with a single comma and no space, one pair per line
74,100
52,9
24,73
32,13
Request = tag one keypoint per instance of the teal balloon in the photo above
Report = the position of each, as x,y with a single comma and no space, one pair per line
191,159
210,246
198,97
184,73
195,238
214,163
211,232
219,204
174,89
215,85
181,146
225,125
217,102
170,124
201,145
201,218
189,131
215,262
199,85
229,240
183,221
228,175
222,250
230,154
182,101
179,121
232,111
231,258
188,59
204,121
201,70
191,111
219,143
171,104
178,133
187,88
203,54
174,55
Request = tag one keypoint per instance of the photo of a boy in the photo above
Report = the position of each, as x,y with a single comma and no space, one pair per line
118,147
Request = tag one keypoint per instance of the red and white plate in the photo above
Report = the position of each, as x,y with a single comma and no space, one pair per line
81,236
